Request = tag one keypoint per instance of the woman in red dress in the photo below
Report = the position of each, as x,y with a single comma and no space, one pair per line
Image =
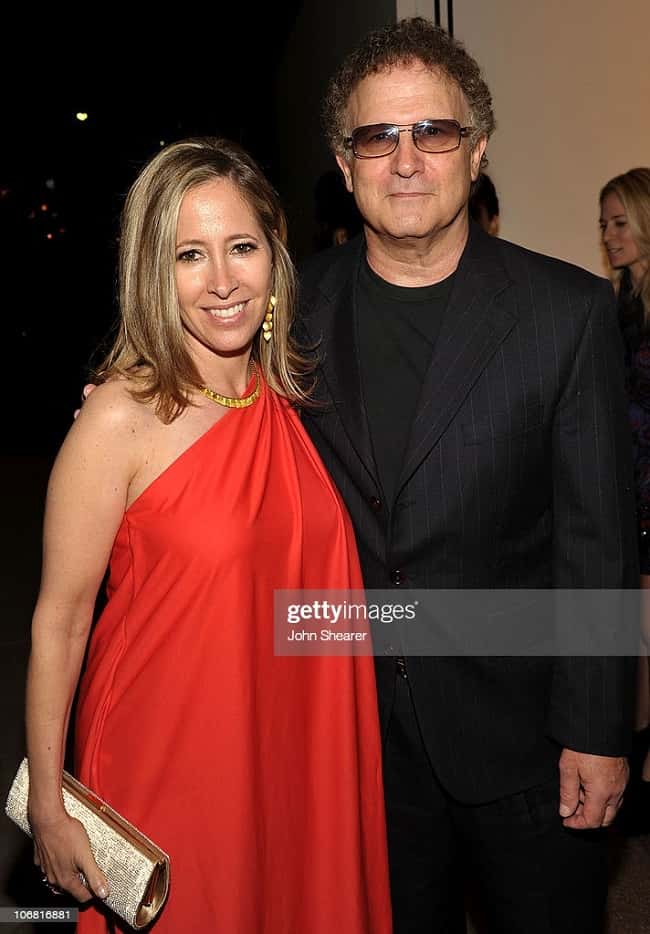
189,472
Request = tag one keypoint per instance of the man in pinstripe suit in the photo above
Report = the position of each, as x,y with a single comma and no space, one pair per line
474,421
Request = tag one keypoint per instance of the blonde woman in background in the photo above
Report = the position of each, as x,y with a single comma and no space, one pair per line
625,227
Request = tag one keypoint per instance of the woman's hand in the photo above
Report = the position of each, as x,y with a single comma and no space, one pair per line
62,850
85,392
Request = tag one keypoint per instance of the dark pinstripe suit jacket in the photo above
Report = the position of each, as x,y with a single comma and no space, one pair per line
516,475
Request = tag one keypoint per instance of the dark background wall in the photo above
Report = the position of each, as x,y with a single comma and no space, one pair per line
62,181
320,36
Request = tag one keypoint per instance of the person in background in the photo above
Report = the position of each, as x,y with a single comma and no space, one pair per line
337,215
484,204
189,470
625,232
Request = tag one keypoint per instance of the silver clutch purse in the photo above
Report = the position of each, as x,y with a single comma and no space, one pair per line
137,870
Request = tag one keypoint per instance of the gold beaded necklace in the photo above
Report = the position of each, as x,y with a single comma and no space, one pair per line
234,403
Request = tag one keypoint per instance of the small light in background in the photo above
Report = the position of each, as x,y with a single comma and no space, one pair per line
50,184
50,236
81,117
44,207
162,142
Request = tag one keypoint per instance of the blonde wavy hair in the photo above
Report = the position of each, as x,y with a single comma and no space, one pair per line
150,347
633,190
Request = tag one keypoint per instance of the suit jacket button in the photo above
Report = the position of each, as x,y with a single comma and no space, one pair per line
397,577
375,503
401,667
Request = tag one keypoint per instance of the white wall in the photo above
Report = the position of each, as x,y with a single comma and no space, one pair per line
571,86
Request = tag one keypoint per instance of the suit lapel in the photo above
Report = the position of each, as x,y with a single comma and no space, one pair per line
476,321
330,321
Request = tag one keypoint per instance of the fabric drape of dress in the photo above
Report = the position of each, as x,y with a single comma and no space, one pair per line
260,775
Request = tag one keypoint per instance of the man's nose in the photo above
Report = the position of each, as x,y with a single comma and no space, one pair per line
407,158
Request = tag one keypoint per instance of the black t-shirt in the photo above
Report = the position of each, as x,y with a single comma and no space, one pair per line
397,328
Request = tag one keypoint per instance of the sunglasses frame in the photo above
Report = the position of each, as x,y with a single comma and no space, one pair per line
463,131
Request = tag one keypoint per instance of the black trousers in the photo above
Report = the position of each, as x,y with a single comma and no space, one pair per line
528,874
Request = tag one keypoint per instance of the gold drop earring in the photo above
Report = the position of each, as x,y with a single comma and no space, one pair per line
267,324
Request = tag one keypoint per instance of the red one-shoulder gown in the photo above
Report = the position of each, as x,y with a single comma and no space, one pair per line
260,775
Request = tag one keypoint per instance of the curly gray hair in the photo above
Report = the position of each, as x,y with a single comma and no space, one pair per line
409,40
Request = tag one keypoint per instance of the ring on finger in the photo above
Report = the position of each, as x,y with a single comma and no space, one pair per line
49,885
83,880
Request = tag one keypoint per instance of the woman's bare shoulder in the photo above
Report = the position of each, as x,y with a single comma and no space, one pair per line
106,443
112,407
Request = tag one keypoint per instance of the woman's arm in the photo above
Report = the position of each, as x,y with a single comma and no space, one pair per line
86,500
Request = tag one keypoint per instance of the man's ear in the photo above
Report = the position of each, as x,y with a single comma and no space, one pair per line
476,156
344,166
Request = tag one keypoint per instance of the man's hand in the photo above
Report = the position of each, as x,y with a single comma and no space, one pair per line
591,788
84,395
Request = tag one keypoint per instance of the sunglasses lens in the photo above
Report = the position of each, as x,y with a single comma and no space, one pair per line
376,140
437,135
